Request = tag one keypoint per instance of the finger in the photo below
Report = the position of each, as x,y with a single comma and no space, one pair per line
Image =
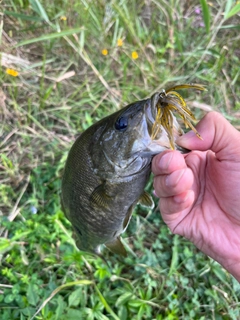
218,135
167,162
173,184
173,208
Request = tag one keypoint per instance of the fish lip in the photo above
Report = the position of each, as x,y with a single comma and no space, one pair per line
150,108
152,103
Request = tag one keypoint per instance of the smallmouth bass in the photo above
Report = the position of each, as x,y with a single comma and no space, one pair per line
109,166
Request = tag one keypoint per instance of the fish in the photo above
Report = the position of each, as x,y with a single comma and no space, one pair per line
109,165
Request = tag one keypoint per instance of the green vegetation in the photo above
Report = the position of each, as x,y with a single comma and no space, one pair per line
65,83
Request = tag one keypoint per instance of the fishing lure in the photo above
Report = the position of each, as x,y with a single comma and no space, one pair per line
170,101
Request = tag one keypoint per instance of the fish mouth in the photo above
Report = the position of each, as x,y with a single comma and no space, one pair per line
156,106
151,108
157,138
160,111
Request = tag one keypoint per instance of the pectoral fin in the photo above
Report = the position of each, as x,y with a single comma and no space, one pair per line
117,247
146,200
99,197
127,218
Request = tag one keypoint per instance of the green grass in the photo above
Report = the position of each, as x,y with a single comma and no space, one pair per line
64,85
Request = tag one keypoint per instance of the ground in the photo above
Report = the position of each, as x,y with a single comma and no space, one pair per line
65,65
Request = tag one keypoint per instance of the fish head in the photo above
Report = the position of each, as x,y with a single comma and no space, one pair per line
124,143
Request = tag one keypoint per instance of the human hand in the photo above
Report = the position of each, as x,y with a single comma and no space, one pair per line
200,192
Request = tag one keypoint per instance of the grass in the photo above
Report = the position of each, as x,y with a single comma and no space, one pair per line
65,84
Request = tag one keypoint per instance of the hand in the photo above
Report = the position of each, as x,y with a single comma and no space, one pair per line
200,192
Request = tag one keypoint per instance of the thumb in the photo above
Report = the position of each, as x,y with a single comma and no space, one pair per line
218,135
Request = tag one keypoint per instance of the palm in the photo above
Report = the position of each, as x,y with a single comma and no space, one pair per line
200,192
212,223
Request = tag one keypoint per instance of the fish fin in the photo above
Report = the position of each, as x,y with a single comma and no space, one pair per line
99,196
146,200
76,237
127,218
116,246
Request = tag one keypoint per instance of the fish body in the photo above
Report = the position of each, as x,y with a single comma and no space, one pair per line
107,170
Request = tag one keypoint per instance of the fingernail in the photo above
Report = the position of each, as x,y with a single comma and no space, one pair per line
165,161
172,180
185,138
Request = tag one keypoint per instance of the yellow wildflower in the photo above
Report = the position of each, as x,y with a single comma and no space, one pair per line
104,52
119,42
134,55
64,18
12,72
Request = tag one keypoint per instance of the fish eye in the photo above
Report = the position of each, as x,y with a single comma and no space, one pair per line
121,123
